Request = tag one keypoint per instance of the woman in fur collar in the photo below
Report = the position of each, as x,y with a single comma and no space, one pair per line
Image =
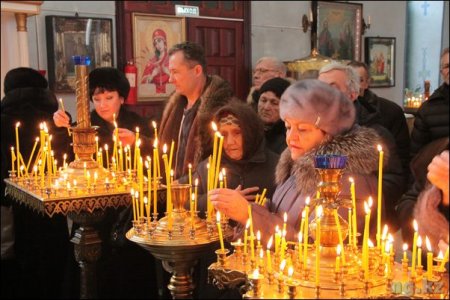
319,120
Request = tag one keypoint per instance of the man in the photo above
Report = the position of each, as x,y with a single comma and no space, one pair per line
266,68
392,116
345,79
188,113
431,121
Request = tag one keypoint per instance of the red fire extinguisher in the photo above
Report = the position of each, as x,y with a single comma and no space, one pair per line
131,74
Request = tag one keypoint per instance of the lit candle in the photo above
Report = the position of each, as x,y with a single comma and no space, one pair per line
380,180
32,152
300,239
225,185
135,148
155,176
338,258
218,159
252,234
13,158
196,193
155,129
414,249
429,259
277,239
134,205
107,156
405,248
247,225
341,241
444,261
258,238
214,155
148,165
167,169
17,147
219,229
172,146
190,178
366,235
84,169
306,235
282,266
290,273
318,217
269,259
354,226
419,252
221,180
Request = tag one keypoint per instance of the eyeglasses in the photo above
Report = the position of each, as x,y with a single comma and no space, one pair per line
262,71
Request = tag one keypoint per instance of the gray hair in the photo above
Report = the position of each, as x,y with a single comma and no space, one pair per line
278,65
352,75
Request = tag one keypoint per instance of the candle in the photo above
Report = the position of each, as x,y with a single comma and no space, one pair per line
306,235
88,178
300,239
282,266
13,158
383,237
419,251
354,226
429,259
269,259
219,229
17,148
341,241
208,188
386,254
247,225
284,221
155,175
84,169
107,156
148,164
318,217
414,249
196,193
214,154
190,178
302,222
258,238
32,152
172,146
167,170
290,273
365,238
225,185
135,148
444,260
405,248
380,180
277,239
155,129
338,258
218,159
221,180
252,234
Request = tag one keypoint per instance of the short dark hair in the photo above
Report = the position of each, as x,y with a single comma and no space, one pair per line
193,52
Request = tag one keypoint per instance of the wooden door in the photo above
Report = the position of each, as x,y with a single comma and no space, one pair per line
223,43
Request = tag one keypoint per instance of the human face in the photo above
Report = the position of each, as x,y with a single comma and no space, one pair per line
338,79
302,137
183,75
159,44
264,71
107,104
363,80
444,68
232,140
269,107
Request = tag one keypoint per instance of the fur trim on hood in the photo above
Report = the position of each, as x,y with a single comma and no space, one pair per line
358,144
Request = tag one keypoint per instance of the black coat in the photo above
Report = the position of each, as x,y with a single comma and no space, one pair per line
431,121
41,242
393,119
276,137
394,179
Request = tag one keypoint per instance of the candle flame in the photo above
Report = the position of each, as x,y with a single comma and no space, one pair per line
258,235
308,199
351,180
165,148
338,250
269,243
155,143
290,271
387,246
285,217
277,229
419,242
171,172
132,192
96,139
17,124
192,197
247,225
106,147
220,177
224,172
214,126
154,124
379,148
256,273
261,253
115,124
196,181
303,213
68,185
137,129
366,208
385,231
415,225
370,243
74,183
390,238
147,165
136,194
440,255
218,216
300,236
319,211
427,242
190,166
405,247
370,201
282,265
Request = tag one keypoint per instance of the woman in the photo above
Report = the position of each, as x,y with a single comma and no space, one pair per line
249,164
319,119
269,113
108,87
33,258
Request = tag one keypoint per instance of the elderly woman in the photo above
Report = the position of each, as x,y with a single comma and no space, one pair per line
249,164
319,120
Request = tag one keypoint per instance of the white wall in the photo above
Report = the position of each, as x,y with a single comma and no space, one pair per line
281,34
37,38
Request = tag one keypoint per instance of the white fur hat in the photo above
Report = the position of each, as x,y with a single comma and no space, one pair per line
312,101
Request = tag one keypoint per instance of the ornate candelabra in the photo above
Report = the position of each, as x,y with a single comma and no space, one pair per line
324,273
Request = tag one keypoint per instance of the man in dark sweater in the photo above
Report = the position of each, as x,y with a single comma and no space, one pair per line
391,114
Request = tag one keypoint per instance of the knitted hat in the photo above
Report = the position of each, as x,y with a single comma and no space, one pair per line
312,101
24,78
110,79
276,85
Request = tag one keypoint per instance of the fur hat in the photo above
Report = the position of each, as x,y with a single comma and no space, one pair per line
312,101
276,85
109,79
24,78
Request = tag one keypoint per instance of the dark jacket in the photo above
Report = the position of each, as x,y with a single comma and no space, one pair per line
298,179
41,242
217,93
393,119
276,137
394,179
431,120
419,165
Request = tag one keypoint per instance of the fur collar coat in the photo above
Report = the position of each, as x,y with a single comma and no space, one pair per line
216,94
298,179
